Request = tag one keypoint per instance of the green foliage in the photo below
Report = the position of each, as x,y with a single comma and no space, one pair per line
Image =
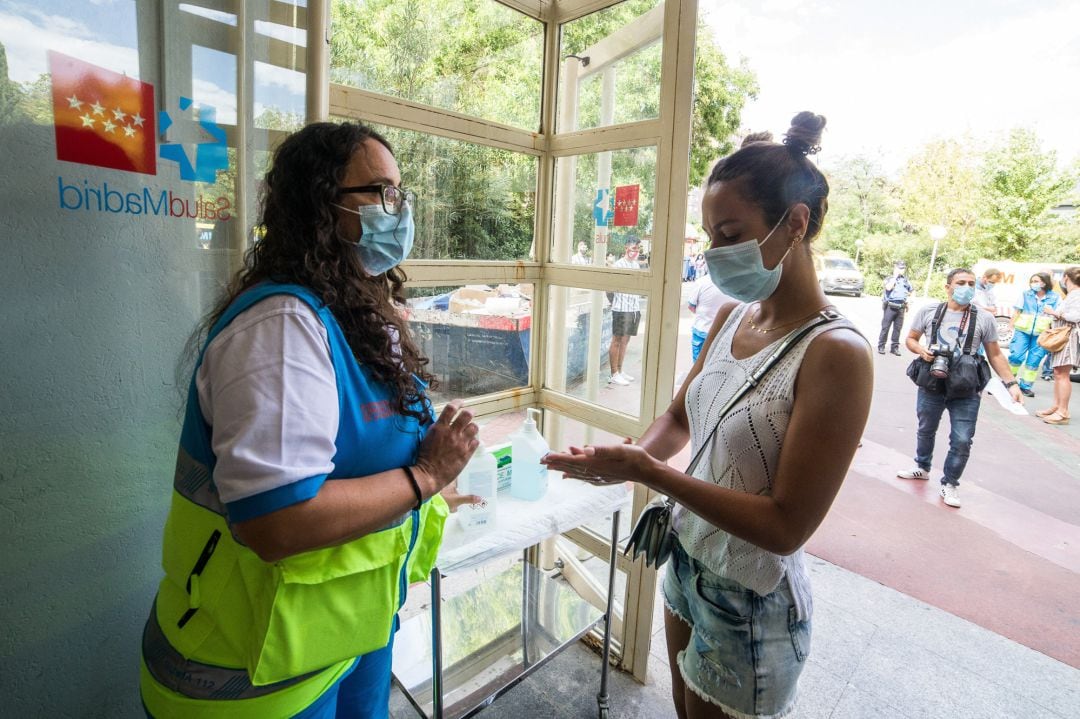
480,58
720,94
1020,183
862,202
940,186
10,92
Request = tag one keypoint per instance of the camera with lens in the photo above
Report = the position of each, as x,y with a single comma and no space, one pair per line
942,356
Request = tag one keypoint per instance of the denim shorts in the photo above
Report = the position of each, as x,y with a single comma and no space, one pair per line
746,651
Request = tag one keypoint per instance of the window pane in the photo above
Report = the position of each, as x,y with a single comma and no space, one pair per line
603,201
472,202
593,334
477,337
477,58
615,76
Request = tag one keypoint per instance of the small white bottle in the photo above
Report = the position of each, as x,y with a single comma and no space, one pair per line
529,478
480,477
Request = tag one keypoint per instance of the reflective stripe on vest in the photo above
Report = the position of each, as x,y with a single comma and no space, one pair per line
197,680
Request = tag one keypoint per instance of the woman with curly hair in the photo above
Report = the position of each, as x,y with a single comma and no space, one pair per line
307,489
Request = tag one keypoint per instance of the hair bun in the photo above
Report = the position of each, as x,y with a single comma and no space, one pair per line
804,135
762,136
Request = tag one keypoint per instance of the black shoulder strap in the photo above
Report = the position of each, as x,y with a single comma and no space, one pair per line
970,331
939,315
823,318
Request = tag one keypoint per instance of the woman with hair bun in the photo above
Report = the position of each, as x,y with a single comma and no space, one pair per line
737,593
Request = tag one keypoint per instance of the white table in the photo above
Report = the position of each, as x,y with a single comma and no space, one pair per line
475,646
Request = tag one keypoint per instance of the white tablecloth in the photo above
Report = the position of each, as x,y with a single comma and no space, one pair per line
519,524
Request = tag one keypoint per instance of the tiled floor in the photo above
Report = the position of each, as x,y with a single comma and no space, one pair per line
877,654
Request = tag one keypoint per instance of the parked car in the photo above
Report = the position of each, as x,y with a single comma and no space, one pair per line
838,274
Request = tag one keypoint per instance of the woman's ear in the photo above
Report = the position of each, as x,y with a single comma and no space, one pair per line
798,220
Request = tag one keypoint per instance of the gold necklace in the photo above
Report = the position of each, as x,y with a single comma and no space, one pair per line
767,330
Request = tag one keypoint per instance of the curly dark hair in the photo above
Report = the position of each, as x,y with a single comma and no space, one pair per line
301,244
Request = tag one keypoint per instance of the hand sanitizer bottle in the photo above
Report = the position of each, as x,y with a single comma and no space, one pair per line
529,478
480,477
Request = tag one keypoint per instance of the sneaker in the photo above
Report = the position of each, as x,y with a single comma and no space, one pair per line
618,379
950,495
1027,392
896,352
626,377
917,473
881,350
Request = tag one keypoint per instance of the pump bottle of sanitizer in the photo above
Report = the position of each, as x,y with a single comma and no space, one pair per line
529,478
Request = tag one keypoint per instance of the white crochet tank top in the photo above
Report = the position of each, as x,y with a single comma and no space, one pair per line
744,457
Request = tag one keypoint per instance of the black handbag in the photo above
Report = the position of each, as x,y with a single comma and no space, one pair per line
654,534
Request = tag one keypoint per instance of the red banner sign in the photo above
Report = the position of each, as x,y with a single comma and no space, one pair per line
626,205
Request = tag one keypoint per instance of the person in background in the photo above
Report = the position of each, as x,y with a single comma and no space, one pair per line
1029,321
738,606
704,301
963,410
1066,314
985,299
894,302
625,316
581,257
310,470
699,266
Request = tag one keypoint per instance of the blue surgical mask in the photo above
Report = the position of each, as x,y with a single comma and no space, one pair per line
738,270
1036,286
385,239
963,295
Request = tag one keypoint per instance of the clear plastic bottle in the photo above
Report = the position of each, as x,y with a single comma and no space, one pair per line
529,478
480,477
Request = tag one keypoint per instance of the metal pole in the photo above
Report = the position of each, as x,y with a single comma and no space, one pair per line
317,62
929,272
602,697
436,646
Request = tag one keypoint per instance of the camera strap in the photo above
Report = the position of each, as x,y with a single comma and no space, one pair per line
967,322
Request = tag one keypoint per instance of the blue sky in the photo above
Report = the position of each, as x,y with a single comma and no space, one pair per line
890,76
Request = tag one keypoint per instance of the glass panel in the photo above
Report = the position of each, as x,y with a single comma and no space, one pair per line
603,202
472,202
595,346
490,636
479,58
476,336
611,66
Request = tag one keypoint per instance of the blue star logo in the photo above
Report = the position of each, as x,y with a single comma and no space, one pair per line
210,156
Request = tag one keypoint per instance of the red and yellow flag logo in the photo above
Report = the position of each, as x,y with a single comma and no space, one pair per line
102,118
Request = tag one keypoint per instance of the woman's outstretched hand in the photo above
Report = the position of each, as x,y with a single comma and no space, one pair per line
608,464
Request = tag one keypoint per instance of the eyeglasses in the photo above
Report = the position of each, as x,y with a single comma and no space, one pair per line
393,198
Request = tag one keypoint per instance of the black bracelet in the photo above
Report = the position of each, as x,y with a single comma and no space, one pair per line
1011,384
415,486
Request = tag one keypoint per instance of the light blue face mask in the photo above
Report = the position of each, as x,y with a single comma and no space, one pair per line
738,270
963,295
385,239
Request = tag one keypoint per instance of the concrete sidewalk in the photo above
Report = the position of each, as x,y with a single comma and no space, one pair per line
876,654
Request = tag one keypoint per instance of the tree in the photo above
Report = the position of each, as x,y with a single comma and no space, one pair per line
10,93
862,202
1020,184
720,94
940,186
480,58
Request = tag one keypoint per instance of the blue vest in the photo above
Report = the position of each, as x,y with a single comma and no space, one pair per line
367,418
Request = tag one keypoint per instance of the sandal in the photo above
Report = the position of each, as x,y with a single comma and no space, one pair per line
1046,412
1056,418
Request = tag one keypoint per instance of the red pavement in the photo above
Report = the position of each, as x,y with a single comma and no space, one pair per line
1008,560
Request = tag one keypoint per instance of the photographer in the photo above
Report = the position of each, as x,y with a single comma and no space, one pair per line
951,376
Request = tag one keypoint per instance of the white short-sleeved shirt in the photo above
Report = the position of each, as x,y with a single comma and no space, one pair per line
706,298
625,302
268,389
